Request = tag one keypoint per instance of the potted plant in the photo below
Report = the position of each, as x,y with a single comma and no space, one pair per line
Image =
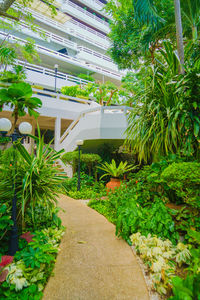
115,172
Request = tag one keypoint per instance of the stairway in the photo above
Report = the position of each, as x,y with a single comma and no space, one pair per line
103,124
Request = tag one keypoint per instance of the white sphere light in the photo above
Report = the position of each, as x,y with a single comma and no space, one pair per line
5,125
79,142
25,128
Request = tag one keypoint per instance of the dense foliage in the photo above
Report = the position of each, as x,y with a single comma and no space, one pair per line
89,161
140,208
27,275
89,187
19,97
165,117
37,182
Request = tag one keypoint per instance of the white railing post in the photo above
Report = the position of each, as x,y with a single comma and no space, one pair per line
57,132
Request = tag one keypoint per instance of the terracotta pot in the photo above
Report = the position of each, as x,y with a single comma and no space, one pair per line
113,183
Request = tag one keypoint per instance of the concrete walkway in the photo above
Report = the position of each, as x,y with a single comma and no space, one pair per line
93,264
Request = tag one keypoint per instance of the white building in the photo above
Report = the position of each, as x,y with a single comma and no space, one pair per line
75,42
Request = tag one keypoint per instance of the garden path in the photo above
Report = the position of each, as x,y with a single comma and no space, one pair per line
93,264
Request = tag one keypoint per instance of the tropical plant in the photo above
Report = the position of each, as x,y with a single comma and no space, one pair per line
41,182
15,76
19,97
188,288
114,171
162,257
138,28
7,55
165,118
190,16
184,179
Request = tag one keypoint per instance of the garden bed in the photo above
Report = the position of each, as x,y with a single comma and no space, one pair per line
24,275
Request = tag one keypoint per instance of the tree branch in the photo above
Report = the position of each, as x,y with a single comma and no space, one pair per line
2,13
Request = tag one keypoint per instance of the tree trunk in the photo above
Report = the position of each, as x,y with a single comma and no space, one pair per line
179,34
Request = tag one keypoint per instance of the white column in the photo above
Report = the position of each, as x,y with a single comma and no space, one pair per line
57,132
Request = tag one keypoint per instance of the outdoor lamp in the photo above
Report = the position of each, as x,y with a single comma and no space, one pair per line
79,143
5,125
25,128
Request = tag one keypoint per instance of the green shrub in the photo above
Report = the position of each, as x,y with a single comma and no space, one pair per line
154,219
184,179
89,161
89,187
74,91
188,288
86,77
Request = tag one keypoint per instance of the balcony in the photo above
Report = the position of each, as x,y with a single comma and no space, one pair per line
49,36
88,34
92,56
96,5
75,29
84,15
37,75
50,56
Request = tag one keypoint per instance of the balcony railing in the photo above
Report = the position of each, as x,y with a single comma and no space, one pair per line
51,73
51,36
67,58
79,12
90,30
94,53
87,13
95,3
100,59
103,43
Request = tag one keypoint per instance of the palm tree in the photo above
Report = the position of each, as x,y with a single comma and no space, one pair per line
191,12
19,97
179,34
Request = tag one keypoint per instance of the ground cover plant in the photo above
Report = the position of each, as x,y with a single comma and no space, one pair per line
139,209
24,277
38,183
89,187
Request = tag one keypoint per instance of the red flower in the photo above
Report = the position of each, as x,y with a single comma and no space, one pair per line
27,236
136,181
6,260
10,165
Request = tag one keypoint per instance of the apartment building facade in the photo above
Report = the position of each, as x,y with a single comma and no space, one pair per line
74,41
